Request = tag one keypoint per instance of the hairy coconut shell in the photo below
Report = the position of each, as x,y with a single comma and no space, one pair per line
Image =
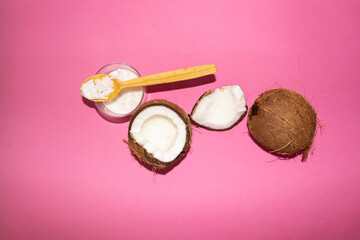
138,149
283,122
209,128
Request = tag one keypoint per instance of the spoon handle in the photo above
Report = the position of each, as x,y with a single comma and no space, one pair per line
171,76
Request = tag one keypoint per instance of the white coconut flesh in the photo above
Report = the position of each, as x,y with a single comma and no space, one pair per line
160,131
221,109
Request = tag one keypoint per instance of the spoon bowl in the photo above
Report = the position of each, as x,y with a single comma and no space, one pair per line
116,87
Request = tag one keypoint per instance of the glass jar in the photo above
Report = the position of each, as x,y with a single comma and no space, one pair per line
101,106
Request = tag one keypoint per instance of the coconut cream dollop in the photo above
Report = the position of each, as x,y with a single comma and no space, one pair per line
220,110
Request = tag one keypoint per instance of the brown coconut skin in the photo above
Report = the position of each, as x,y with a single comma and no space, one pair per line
283,122
208,128
147,157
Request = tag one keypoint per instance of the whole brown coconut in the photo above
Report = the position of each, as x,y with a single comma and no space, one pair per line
283,123
141,152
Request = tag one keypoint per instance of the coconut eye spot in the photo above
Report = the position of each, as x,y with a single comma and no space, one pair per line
160,131
254,110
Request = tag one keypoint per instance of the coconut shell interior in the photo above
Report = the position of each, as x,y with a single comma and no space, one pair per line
283,122
141,152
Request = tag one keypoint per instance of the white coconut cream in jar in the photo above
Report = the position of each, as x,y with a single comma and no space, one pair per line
128,99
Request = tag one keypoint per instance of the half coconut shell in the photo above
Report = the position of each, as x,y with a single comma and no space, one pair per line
153,127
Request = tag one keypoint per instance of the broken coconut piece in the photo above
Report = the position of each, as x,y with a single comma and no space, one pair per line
159,133
220,110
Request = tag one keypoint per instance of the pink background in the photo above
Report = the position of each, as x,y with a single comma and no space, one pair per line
65,172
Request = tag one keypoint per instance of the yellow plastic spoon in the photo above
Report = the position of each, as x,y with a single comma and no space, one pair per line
159,78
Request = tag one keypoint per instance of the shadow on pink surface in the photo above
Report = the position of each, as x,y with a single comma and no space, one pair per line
88,103
181,85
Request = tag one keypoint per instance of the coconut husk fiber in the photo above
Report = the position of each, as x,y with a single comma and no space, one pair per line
141,153
283,122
